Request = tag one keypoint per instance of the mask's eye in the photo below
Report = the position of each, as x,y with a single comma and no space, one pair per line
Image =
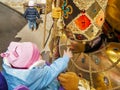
79,37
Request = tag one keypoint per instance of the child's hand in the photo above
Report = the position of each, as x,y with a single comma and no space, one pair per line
68,53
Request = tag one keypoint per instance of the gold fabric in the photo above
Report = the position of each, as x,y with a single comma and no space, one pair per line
113,51
113,13
69,80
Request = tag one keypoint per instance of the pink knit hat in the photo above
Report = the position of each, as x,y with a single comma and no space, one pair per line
21,54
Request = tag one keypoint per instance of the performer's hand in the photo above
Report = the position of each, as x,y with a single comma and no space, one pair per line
69,80
56,12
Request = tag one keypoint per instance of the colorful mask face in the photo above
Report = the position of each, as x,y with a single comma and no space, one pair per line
84,17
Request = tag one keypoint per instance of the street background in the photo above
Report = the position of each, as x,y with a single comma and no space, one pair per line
14,27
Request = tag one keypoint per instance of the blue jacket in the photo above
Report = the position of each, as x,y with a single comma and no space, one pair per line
38,78
31,14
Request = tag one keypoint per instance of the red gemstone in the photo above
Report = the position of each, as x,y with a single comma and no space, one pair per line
82,22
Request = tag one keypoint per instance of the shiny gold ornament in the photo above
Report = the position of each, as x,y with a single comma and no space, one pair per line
113,13
56,12
102,82
113,51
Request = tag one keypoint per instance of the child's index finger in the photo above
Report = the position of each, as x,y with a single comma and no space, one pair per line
68,49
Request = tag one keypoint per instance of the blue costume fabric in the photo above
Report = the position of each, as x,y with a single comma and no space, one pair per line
38,78
21,87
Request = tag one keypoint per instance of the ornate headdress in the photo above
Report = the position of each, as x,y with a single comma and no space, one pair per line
84,18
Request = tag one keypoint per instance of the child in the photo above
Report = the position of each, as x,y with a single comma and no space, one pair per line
31,14
23,65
